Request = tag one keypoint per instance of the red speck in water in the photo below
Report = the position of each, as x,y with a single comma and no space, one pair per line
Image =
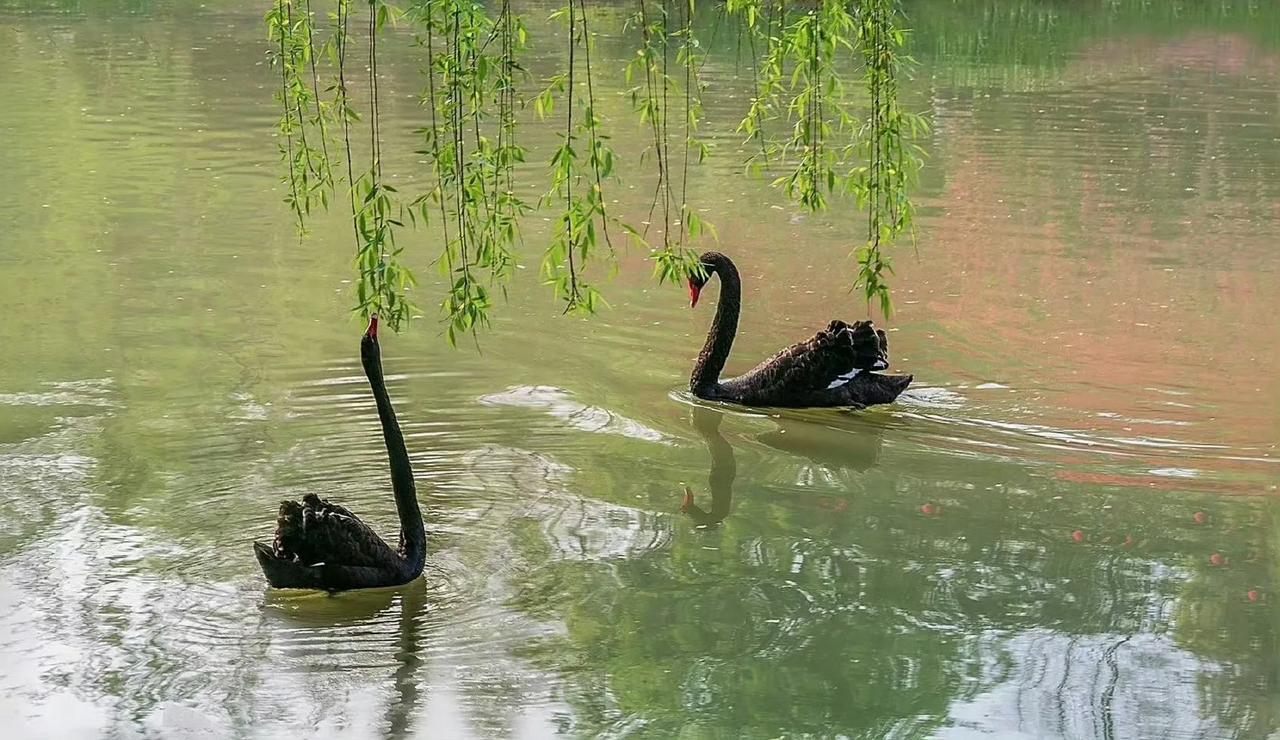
1078,536
1253,595
1217,559
842,505
1128,540
927,509
1200,517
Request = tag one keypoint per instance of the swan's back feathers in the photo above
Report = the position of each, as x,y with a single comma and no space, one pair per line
322,545
316,531
830,358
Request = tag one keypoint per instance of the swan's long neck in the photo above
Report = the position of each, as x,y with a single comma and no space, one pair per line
413,534
715,352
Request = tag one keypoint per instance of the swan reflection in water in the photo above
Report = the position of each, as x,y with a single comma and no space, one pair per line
723,470
854,446
828,450
364,614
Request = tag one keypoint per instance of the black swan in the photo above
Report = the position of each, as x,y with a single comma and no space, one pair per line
321,545
723,470
831,369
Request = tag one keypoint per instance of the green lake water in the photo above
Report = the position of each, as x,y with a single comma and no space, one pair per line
1068,527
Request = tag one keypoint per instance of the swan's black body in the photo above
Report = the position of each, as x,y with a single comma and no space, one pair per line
320,545
723,471
834,368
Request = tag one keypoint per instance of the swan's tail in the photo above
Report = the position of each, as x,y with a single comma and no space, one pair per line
870,346
870,389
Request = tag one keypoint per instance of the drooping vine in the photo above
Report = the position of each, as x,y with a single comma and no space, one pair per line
761,109
646,98
471,143
322,115
803,118
800,78
305,126
690,56
600,154
384,279
337,46
891,158
653,87
302,111
829,148
579,191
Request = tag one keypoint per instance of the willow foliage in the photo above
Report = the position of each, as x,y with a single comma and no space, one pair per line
828,135
471,70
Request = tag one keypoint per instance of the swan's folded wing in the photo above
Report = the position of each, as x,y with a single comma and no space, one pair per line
316,531
831,357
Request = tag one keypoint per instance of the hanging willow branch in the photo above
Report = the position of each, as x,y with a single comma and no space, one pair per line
601,155
811,97
653,86
828,149
800,118
893,160
384,280
646,98
580,191
305,126
322,115
341,106
293,53
472,146
690,57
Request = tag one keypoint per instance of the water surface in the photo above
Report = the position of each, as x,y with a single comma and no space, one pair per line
1068,527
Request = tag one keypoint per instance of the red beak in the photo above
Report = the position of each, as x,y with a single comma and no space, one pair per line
694,292
372,331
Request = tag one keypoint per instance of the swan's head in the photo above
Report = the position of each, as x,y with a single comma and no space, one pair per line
700,274
695,289
369,342
696,281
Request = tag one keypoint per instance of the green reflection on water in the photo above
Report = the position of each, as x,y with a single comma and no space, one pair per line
1088,320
